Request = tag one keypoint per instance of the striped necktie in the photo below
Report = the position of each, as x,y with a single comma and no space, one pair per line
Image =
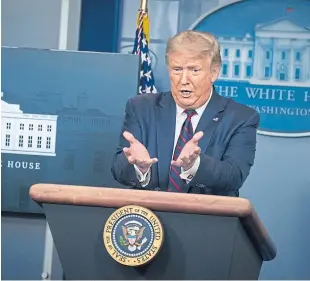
175,182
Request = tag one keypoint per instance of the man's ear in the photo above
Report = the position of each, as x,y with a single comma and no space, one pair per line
215,72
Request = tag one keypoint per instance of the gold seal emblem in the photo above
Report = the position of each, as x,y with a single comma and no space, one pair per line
133,235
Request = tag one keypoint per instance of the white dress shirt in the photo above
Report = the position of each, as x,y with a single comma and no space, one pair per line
180,118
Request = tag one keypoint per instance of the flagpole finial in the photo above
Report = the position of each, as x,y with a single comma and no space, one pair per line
143,5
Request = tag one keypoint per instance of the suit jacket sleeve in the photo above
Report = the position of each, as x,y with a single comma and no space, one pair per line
122,170
229,173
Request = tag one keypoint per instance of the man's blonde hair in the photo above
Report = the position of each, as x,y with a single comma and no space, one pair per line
204,43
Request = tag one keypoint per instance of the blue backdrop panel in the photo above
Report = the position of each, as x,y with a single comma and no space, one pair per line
61,117
99,25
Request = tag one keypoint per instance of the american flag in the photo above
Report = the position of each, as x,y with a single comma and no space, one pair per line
141,48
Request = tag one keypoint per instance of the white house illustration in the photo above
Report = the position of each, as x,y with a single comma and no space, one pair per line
33,134
279,54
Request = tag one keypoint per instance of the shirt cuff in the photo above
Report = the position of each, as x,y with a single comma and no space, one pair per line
191,172
144,179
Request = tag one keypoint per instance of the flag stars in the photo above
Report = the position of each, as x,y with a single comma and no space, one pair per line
146,83
148,90
143,57
144,42
148,75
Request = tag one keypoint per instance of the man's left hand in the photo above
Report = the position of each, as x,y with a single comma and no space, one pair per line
189,153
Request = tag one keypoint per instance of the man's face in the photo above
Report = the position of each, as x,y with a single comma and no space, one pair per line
191,78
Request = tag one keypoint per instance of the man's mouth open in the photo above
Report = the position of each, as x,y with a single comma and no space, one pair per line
185,93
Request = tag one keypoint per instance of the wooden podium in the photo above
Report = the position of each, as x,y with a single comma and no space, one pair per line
205,237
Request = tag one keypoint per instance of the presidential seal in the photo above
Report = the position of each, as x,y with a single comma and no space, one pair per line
133,235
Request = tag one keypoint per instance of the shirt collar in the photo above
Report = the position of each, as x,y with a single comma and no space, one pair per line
199,110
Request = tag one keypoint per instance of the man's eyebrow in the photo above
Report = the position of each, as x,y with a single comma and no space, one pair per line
194,65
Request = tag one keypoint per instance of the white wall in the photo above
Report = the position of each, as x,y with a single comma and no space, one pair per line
36,23
74,24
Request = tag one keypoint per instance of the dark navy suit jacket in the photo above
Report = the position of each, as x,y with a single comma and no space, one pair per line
227,147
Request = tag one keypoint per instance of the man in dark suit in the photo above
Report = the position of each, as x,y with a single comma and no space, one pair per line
191,139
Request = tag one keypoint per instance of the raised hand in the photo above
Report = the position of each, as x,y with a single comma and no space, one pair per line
189,153
137,153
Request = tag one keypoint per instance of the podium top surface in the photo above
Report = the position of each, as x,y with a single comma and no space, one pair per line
161,201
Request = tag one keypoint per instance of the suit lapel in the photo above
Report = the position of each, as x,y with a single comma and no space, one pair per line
210,119
166,114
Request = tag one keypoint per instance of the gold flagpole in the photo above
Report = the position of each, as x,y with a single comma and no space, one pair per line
143,5
146,23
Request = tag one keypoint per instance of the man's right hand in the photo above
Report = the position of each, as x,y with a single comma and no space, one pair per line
137,154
